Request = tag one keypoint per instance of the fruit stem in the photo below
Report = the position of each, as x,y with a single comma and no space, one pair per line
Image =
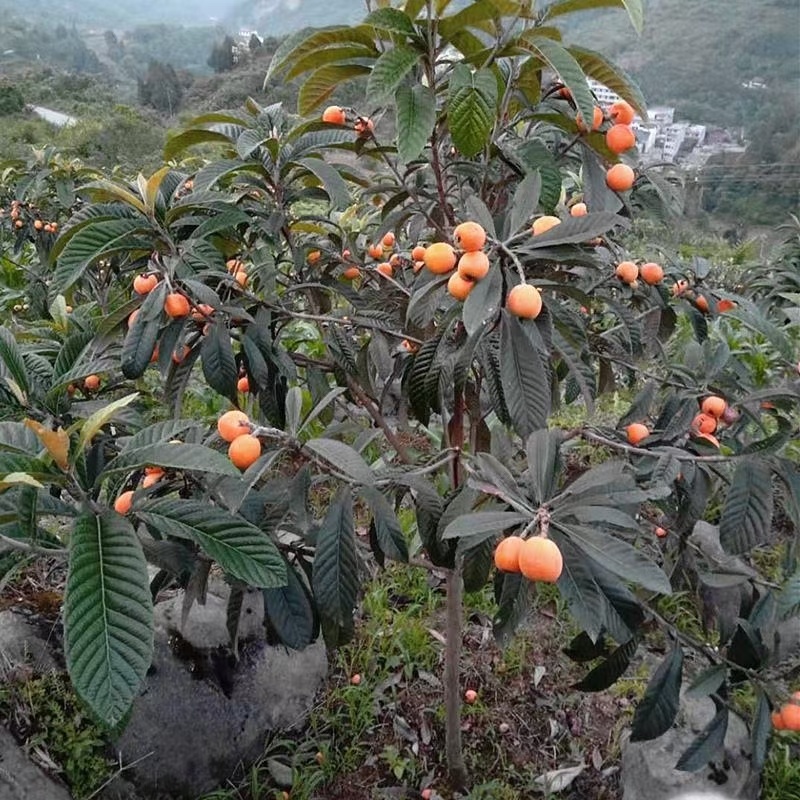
514,260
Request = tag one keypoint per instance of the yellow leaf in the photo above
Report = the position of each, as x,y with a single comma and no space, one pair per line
56,442
101,417
19,478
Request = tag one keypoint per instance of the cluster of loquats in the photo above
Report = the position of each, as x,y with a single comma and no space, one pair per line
24,214
714,411
537,558
234,427
619,137
630,273
787,718
681,289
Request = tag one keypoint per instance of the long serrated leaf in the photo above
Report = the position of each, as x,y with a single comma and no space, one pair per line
619,557
512,606
390,70
219,363
746,517
658,708
595,65
471,102
526,385
344,458
608,671
707,745
543,451
633,7
290,612
108,615
241,549
11,361
388,530
483,523
172,455
335,573
416,117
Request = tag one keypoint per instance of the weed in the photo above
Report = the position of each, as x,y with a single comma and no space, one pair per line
54,721
781,779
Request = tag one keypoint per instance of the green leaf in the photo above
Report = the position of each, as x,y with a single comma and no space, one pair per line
18,437
789,598
568,69
512,607
177,455
389,71
544,459
483,524
526,385
708,681
392,20
523,206
140,341
158,432
108,615
343,458
241,549
707,745
746,517
389,533
659,706
290,612
595,65
319,86
12,367
633,7
95,241
576,230
477,563
219,363
331,180
483,302
416,117
608,671
471,103
335,573
760,730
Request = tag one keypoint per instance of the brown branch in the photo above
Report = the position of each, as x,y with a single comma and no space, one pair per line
380,420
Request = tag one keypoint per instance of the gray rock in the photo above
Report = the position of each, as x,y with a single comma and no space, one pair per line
22,780
21,644
648,771
197,719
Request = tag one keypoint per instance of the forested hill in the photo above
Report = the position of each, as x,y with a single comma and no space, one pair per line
117,14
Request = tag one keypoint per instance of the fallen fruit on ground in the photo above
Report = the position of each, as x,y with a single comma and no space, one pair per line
244,450
470,696
233,424
540,559
661,532
524,301
355,679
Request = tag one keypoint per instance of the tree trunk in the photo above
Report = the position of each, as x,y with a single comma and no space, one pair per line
452,680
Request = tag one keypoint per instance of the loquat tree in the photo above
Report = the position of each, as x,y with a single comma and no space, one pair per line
388,304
